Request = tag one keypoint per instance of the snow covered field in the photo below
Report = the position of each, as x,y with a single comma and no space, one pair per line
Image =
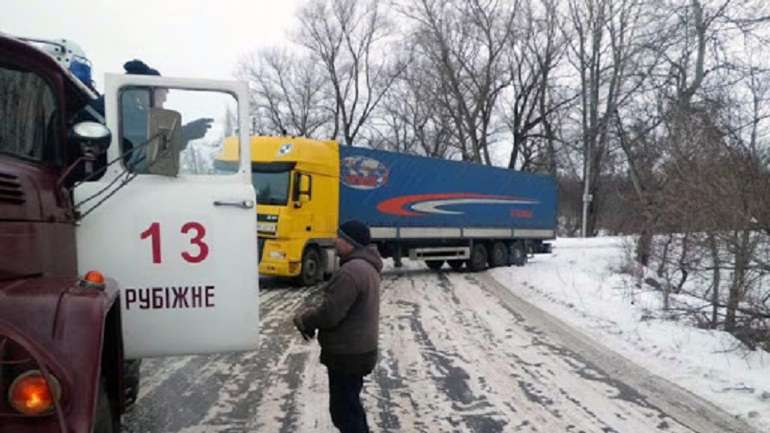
581,283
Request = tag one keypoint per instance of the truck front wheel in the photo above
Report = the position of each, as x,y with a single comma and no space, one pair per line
434,265
131,375
312,268
478,260
456,265
103,422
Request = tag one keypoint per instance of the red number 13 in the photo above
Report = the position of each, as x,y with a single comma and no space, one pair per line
203,249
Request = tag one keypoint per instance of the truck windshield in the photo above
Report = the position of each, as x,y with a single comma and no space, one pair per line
271,187
270,179
27,114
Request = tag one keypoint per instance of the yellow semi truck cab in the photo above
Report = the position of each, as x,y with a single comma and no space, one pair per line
297,184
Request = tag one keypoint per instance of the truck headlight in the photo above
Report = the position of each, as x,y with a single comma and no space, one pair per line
277,255
31,395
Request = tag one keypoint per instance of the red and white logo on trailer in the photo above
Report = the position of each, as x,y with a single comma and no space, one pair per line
431,204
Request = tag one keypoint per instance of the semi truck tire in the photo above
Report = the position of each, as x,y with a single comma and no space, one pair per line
499,255
479,258
518,253
434,265
312,269
456,265
103,422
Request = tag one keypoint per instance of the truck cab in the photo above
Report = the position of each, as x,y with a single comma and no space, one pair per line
103,261
44,305
297,185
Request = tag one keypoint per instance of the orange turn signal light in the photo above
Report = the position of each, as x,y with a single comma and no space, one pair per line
94,277
31,395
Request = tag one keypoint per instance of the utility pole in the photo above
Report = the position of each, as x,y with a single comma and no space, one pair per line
587,197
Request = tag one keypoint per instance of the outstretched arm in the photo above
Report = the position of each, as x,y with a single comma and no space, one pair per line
339,296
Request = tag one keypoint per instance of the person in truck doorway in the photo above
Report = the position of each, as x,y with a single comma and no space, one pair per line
347,321
134,108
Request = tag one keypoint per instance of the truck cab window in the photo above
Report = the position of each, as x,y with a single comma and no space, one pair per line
208,125
134,113
28,114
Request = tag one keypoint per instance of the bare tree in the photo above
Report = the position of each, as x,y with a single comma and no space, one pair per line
412,118
534,55
606,50
350,39
289,93
687,47
465,42
716,185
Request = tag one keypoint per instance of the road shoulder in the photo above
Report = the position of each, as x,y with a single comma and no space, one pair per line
686,407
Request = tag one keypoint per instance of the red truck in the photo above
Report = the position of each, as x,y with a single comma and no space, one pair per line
157,240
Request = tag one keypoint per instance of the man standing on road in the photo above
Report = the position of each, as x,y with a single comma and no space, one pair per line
348,324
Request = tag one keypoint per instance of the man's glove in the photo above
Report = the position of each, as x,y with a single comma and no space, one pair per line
307,334
196,129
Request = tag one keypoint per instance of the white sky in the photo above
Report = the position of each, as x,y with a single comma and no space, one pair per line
180,38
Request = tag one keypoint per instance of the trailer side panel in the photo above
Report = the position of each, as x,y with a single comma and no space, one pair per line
410,196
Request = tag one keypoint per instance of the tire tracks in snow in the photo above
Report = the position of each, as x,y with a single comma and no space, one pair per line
458,353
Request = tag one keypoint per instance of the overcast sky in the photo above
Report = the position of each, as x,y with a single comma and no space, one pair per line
181,38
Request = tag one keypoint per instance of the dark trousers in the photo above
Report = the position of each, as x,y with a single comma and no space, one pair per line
345,402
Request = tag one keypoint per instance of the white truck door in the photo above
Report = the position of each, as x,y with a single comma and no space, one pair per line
182,248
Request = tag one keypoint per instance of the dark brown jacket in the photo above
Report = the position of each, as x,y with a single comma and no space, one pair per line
348,318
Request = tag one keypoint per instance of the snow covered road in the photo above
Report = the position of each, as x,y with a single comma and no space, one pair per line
459,353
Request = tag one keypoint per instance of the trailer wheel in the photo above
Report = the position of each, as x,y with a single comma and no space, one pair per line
103,422
456,265
434,265
478,259
499,255
518,253
312,269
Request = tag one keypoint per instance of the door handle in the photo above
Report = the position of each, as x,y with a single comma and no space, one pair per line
243,204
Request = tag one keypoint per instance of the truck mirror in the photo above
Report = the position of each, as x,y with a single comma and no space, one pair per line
304,186
94,138
165,144
302,189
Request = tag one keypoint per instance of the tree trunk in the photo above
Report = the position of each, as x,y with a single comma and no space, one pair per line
518,142
716,279
739,279
683,265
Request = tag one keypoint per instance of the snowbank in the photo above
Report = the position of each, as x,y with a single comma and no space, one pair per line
581,283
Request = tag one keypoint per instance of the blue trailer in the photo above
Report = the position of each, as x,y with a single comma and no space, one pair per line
447,211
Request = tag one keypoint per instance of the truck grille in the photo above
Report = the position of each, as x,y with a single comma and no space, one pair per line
10,189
